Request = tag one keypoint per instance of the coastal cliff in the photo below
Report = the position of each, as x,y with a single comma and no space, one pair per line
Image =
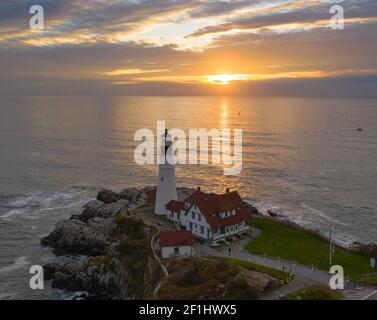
108,251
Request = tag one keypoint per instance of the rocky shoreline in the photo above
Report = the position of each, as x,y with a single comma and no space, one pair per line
113,237
96,233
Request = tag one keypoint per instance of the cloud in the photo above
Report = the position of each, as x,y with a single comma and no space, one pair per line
298,17
172,47
122,72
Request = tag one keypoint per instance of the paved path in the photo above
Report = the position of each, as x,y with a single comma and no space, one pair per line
163,268
296,284
314,275
304,276
371,296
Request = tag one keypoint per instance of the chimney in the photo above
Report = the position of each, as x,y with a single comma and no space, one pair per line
227,190
198,188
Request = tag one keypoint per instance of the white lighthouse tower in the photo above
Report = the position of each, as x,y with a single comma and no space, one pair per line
166,186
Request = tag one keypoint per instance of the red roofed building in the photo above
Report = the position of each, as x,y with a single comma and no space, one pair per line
175,208
151,196
211,216
173,243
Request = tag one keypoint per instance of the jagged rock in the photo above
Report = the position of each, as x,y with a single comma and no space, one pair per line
137,197
252,209
97,208
260,281
90,209
112,209
106,279
76,236
108,196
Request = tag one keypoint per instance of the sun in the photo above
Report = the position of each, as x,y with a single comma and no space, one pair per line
225,79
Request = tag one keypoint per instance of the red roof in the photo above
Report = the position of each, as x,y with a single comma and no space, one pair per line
151,195
208,209
175,206
193,197
223,202
211,205
175,238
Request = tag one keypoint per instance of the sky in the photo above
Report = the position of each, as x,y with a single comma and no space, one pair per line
191,47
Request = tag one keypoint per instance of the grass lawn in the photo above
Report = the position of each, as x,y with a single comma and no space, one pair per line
315,293
277,274
289,242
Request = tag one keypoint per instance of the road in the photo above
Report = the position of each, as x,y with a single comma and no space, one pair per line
304,275
305,272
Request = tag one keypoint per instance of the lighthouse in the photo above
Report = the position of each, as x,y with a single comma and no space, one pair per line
166,185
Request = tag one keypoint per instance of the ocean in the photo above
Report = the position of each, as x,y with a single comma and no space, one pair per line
303,157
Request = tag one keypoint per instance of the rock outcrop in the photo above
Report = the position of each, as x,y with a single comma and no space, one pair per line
108,196
91,232
119,261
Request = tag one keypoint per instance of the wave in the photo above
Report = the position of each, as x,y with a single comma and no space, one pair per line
323,215
308,217
19,263
30,204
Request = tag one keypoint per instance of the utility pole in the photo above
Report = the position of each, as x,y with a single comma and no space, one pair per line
330,248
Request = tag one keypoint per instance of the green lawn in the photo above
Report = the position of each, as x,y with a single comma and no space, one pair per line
315,293
284,240
277,274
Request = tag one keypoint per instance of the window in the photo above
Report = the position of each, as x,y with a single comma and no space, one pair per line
162,178
176,250
193,216
202,230
199,217
190,225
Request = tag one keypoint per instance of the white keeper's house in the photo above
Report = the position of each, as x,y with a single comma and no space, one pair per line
210,216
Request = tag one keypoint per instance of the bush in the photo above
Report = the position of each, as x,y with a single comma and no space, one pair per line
238,290
130,227
315,293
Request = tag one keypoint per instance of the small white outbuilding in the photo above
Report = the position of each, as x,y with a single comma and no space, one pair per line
175,243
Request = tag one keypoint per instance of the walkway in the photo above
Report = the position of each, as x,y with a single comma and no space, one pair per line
304,276
305,272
